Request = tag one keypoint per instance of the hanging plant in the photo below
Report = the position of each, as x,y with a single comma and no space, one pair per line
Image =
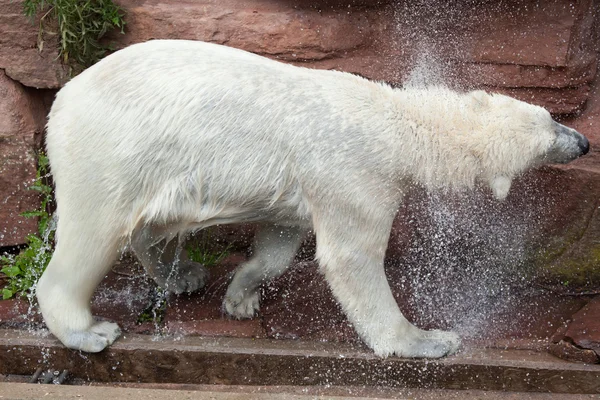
81,24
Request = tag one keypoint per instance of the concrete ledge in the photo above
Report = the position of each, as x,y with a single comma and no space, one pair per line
22,391
236,361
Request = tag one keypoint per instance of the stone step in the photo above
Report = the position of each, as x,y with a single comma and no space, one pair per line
266,362
18,391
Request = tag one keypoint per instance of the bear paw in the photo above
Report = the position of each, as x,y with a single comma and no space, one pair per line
188,277
424,344
436,344
95,339
241,304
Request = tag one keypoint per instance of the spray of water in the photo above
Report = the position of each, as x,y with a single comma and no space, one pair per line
466,264
39,262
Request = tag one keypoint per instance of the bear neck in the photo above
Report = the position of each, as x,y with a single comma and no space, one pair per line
432,143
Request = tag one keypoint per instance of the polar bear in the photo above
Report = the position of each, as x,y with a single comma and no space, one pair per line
168,137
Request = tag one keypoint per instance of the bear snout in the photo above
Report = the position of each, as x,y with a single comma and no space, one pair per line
584,145
582,142
568,146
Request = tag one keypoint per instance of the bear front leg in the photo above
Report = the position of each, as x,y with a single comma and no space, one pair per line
166,261
274,249
80,261
350,250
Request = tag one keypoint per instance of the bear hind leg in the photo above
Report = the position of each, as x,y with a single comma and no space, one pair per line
166,261
274,249
79,263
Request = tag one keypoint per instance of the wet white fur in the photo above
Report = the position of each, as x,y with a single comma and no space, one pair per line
184,135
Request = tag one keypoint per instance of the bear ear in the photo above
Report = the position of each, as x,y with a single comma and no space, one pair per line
480,99
500,186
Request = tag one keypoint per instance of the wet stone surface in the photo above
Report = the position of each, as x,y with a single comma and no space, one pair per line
124,295
14,313
237,361
201,313
299,305
579,338
22,116
584,329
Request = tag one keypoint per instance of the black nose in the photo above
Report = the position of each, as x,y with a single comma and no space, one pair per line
584,145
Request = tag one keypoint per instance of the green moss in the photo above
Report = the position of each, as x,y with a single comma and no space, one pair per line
579,270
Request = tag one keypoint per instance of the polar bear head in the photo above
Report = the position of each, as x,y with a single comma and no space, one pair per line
480,137
514,136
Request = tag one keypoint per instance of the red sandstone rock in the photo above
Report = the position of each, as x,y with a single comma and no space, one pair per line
22,116
563,205
573,213
570,352
13,313
557,101
251,328
579,339
123,295
526,76
300,305
20,54
529,33
588,123
275,29
507,45
201,313
584,329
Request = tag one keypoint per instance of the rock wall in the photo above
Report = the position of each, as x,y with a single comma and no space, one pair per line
20,55
542,52
539,51
22,116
